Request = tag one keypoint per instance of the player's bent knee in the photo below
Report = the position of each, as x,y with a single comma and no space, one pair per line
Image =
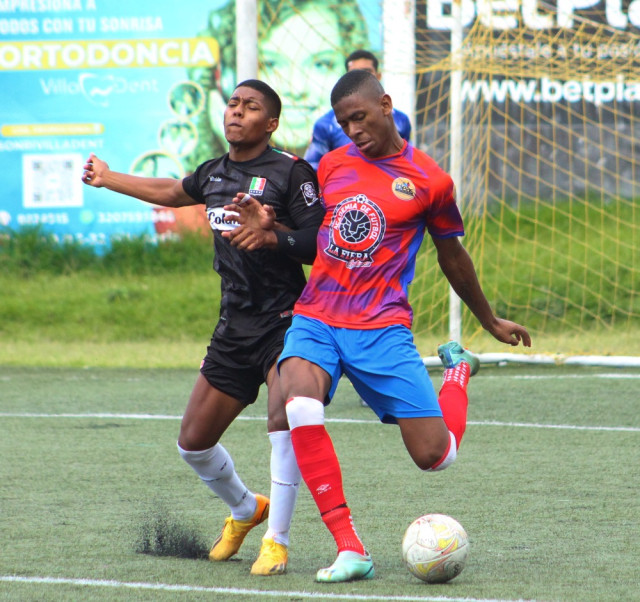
304,411
447,458
195,436
189,440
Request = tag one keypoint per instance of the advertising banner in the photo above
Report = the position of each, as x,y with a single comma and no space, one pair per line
555,87
83,76
143,85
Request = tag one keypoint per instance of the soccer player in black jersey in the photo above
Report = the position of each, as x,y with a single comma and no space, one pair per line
261,278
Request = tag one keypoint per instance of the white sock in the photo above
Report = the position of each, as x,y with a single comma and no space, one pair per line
449,458
215,468
285,481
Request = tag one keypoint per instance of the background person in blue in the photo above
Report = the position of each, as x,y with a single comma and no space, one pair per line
328,135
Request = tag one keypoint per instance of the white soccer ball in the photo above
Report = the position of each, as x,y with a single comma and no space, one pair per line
435,548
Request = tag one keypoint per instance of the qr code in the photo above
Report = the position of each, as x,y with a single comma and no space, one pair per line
52,180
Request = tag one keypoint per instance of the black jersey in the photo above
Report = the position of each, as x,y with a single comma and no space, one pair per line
257,286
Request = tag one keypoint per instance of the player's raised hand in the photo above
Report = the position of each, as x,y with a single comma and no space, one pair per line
510,332
94,171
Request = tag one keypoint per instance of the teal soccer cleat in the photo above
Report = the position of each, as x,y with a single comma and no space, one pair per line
349,566
452,353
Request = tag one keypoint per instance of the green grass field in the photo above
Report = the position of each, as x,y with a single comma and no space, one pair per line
63,297
545,484
97,359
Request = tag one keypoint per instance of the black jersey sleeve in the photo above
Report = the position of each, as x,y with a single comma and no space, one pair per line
191,185
307,212
299,243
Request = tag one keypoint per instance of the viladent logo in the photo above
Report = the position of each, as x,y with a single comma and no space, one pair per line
96,89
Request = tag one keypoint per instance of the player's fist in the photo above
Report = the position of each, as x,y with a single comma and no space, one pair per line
94,171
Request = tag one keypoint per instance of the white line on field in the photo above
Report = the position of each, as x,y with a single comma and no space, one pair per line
571,427
109,415
613,375
232,591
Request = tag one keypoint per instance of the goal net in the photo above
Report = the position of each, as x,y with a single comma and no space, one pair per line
549,155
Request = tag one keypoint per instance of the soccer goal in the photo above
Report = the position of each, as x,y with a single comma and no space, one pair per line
536,107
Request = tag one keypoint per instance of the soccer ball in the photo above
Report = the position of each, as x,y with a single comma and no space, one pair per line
435,548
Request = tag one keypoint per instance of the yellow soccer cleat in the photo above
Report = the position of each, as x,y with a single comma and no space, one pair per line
234,531
272,559
349,566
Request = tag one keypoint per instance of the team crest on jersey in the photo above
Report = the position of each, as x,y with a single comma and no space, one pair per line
257,186
309,193
404,189
217,216
357,228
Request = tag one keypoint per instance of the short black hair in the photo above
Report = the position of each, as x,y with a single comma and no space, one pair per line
273,102
355,81
361,54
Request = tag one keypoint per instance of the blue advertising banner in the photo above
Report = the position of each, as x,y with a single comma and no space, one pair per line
142,85
82,76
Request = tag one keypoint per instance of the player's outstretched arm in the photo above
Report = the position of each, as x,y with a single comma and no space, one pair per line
167,192
457,266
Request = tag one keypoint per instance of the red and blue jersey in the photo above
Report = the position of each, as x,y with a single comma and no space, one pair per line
377,212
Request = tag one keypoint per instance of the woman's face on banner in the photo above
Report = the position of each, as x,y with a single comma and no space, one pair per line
300,60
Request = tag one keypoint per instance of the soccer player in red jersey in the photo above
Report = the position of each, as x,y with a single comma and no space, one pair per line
381,194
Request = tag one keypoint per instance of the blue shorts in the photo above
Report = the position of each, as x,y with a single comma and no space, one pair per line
383,365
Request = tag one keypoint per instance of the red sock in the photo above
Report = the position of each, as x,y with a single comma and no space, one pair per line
340,523
321,472
459,375
453,399
319,465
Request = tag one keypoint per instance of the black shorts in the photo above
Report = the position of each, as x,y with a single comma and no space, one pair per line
238,365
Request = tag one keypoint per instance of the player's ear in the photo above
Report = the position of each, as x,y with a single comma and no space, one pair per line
386,103
272,124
